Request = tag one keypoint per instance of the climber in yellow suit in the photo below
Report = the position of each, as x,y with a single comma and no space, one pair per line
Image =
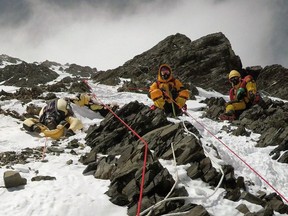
168,93
57,119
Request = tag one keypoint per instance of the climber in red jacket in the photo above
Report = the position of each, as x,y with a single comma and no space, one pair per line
243,95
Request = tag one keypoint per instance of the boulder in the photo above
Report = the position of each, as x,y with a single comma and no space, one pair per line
13,179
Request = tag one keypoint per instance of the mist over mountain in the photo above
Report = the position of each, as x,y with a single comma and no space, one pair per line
105,34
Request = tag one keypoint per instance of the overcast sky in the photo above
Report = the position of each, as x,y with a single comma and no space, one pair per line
107,33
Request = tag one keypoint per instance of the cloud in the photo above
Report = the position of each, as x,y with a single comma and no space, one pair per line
106,34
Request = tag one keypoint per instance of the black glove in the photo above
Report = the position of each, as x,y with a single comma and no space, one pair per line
69,133
174,93
36,128
163,92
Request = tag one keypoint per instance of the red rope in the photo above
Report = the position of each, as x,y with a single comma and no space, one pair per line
44,149
139,137
145,155
250,167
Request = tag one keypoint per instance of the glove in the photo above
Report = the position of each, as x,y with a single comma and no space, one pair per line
36,128
174,93
95,107
163,92
240,93
81,99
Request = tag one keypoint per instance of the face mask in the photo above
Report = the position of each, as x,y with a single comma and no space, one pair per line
50,122
165,74
235,80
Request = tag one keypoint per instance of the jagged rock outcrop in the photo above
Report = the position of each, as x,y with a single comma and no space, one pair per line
80,71
22,94
270,120
204,62
73,69
273,81
9,59
26,75
113,139
26,94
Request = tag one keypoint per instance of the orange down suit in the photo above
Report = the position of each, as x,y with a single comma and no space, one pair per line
168,91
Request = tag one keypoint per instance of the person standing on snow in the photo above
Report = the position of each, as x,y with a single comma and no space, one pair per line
243,95
168,93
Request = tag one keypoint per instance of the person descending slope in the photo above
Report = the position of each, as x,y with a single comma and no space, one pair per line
243,95
168,93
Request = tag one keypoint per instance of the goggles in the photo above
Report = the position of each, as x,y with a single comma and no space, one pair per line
165,72
235,80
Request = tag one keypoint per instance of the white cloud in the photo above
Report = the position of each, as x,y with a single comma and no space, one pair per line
103,38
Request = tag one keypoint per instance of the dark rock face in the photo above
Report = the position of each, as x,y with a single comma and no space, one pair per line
204,62
81,71
274,81
270,120
112,138
73,69
9,59
26,75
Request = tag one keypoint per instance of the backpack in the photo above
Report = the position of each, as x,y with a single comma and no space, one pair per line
253,96
51,111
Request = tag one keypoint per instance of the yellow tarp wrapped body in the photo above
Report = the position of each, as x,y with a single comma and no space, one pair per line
56,133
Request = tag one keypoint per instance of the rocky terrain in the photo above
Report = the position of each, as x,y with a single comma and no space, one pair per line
203,63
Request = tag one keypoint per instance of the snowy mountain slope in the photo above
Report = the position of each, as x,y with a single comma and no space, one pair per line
75,194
